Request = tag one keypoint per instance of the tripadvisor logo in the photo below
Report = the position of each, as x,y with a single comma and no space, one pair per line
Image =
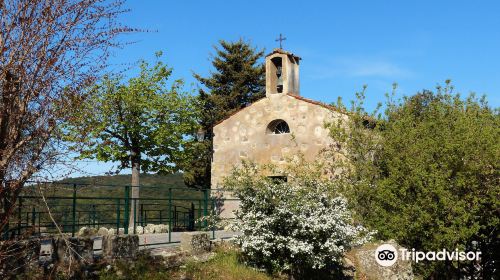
387,255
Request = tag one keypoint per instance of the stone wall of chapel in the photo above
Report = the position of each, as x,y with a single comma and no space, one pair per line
244,135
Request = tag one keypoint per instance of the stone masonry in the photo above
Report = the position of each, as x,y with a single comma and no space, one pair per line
248,134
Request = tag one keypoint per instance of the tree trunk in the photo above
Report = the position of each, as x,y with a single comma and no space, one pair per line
135,158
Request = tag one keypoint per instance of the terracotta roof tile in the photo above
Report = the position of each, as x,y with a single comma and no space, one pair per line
282,51
330,107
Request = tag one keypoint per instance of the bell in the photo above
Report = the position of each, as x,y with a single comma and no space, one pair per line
279,83
279,71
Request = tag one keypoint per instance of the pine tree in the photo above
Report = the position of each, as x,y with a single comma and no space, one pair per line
238,80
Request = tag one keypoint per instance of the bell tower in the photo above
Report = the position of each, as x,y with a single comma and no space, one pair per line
282,73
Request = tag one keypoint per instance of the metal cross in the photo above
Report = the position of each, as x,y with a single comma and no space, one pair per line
280,39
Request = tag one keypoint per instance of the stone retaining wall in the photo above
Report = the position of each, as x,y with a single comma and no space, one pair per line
20,256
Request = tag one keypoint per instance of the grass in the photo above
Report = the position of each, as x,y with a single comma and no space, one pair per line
226,265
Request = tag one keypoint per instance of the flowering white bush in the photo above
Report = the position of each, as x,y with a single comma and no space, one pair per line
293,225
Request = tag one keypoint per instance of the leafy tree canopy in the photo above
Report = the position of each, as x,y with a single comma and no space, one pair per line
144,120
426,173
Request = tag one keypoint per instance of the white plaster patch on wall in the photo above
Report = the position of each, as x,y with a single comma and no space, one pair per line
243,130
301,129
318,131
320,116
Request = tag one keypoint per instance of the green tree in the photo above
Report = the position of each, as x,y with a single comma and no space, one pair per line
427,174
238,80
142,124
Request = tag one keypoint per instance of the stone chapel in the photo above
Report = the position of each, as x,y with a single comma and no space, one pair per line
278,126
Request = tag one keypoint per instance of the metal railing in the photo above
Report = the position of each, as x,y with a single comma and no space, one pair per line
73,206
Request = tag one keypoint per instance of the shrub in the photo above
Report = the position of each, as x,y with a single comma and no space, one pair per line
293,226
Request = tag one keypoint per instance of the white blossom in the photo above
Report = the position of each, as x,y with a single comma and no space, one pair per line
294,223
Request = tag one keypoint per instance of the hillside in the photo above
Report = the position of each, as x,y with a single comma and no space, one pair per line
100,201
147,180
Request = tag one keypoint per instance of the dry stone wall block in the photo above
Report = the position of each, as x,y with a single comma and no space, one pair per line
195,242
120,246
80,249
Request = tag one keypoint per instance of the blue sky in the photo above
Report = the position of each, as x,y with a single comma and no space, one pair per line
344,44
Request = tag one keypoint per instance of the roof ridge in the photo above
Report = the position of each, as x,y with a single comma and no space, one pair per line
330,107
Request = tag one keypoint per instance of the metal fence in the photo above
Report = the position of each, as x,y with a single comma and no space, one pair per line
48,208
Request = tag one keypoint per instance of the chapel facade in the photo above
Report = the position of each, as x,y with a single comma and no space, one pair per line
279,126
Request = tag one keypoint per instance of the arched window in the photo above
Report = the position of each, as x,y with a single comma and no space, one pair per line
278,127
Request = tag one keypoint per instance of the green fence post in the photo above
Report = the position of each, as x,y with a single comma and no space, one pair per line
175,216
93,215
66,222
117,214
192,220
199,215
213,213
19,216
127,211
141,215
33,216
73,227
169,215
205,206
6,206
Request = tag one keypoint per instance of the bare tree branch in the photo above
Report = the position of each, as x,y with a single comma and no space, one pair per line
50,52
